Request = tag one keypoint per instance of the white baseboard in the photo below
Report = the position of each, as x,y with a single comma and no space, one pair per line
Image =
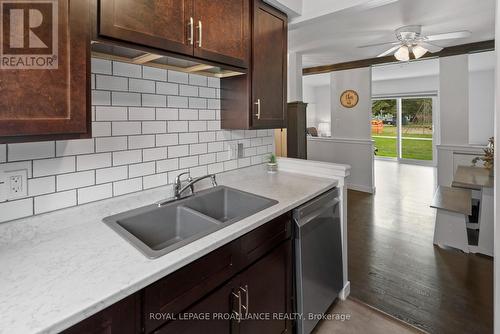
361,188
346,291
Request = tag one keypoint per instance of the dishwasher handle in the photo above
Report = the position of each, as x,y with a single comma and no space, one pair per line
302,221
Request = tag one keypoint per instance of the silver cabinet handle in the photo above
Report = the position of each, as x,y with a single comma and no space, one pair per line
247,297
258,108
191,31
238,313
200,33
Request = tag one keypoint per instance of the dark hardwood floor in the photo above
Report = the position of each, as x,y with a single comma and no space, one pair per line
394,266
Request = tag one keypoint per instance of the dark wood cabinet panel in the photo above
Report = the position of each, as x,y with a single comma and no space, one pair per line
258,100
219,302
52,99
120,318
224,35
269,83
268,284
297,130
160,24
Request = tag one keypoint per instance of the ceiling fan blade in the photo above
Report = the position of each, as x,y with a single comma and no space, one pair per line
379,44
431,47
449,35
388,52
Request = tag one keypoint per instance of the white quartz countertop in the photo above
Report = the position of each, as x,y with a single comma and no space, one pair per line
59,268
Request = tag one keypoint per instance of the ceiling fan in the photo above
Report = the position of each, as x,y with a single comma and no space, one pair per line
411,40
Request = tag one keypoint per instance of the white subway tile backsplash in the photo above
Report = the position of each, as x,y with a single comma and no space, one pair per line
93,161
127,157
197,80
188,162
153,181
127,70
110,144
144,141
151,100
197,103
167,139
186,90
195,126
29,151
177,102
154,127
95,193
188,138
157,153
111,113
167,165
140,140
107,82
141,114
178,151
56,201
111,174
178,77
188,114
101,66
16,209
126,99
143,169
126,128
53,166
153,73
127,186
41,186
142,86
167,114
207,137
167,88
198,149
177,126
101,129
3,153
75,180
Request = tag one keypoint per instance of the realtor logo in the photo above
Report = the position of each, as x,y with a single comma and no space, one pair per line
29,34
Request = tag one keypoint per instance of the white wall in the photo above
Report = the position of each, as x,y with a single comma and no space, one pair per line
496,283
454,99
481,106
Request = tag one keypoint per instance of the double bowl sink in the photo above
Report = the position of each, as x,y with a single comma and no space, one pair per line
157,230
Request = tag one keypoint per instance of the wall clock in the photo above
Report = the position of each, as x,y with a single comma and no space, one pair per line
349,99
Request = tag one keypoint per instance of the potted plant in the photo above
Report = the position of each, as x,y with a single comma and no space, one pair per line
272,164
489,156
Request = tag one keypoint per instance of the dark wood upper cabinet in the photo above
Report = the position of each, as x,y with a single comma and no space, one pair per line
161,24
223,31
48,98
212,30
258,100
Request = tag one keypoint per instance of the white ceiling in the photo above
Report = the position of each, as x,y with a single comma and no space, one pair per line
335,37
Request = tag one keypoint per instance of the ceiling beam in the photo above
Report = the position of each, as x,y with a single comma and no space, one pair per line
446,52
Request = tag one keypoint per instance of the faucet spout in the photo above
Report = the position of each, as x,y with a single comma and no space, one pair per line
191,182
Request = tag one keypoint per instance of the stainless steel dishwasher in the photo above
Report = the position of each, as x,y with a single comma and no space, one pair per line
318,258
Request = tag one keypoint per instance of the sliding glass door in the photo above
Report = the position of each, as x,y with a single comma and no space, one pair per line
402,128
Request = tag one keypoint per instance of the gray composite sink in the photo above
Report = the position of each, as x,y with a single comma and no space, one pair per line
157,230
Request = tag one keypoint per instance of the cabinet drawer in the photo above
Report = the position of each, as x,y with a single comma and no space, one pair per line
181,289
257,243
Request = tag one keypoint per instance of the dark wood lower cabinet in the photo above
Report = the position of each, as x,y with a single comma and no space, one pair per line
222,290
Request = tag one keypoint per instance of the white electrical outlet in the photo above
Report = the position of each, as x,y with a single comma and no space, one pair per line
15,184
233,151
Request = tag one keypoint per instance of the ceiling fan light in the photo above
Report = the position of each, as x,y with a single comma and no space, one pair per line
419,51
403,54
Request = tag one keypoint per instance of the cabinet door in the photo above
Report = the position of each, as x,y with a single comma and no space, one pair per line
222,31
269,82
120,318
219,302
268,286
161,24
45,79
